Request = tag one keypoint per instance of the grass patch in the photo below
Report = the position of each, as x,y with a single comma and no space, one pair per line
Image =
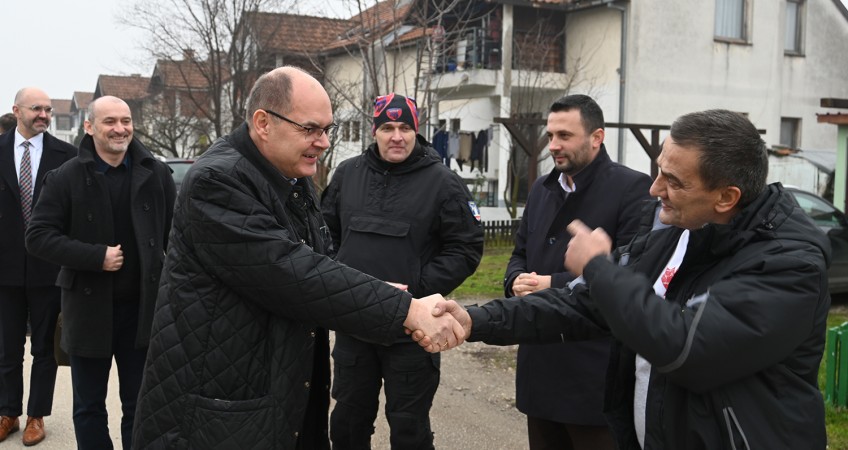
836,419
487,283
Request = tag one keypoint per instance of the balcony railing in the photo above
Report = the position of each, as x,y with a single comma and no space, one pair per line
477,48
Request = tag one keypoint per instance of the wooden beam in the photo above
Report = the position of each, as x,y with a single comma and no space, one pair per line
836,119
522,140
834,103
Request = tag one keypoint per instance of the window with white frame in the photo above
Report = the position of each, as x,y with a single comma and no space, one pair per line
790,132
731,20
794,33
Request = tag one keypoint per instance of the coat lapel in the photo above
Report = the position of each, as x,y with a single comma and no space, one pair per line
8,172
52,157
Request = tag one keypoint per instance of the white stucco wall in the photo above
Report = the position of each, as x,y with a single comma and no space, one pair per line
675,66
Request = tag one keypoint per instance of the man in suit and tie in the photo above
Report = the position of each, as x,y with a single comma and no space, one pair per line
26,283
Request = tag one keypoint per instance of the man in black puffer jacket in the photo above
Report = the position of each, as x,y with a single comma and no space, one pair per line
718,306
397,213
239,355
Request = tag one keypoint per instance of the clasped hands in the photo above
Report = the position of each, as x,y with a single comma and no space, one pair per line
437,324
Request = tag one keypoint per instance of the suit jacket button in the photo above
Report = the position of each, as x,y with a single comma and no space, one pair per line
152,242
306,385
86,291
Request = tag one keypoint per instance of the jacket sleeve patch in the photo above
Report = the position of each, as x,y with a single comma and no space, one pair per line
475,211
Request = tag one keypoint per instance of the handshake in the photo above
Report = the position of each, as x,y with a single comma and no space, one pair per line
437,324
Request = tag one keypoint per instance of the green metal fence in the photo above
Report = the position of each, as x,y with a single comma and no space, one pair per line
836,354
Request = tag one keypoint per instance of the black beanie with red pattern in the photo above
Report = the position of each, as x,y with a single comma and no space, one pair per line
395,108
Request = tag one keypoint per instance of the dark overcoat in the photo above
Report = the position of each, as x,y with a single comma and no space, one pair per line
17,267
564,382
72,225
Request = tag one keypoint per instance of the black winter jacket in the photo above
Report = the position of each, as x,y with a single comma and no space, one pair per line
244,287
735,345
411,222
72,225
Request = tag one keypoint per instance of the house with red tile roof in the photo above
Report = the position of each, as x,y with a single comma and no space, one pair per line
645,63
62,125
131,89
485,61
180,108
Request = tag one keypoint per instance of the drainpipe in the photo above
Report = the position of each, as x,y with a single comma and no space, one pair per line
622,74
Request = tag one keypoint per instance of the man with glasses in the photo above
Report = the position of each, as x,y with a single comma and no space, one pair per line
27,283
397,213
239,354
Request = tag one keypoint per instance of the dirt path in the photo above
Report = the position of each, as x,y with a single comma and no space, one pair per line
474,407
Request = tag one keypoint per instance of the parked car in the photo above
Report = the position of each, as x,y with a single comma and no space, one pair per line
835,224
179,166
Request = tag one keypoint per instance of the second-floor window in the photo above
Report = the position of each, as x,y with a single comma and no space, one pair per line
350,130
731,20
794,33
789,132
63,122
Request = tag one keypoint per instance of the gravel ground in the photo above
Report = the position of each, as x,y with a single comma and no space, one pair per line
474,407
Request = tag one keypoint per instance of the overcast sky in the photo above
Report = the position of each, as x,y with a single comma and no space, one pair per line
61,46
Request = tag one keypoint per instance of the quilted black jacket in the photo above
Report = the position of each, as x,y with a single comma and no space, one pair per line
234,334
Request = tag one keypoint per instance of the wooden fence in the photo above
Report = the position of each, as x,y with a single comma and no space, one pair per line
500,232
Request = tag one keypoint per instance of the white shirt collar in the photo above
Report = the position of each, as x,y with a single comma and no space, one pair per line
563,182
37,141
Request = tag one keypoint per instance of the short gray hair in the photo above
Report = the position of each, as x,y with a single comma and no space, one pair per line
732,153
273,90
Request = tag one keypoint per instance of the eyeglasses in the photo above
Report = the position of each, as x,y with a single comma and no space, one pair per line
310,132
38,109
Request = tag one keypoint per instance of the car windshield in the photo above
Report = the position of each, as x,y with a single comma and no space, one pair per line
180,168
822,214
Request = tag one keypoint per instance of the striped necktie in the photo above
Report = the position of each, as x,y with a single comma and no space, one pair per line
25,183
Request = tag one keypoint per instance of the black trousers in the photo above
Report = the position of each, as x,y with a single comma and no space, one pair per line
41,305
548,435
411,378
90,380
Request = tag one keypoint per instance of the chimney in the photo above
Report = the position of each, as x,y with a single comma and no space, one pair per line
188,54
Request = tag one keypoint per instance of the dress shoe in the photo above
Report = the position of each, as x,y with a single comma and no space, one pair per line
8,425
34,431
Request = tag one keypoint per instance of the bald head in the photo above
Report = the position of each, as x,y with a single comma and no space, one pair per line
101,102
289,115
29,92
33,110
276,90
